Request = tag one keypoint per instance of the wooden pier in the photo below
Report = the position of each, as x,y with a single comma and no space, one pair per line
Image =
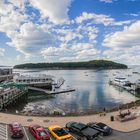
11,95
51,92
6,77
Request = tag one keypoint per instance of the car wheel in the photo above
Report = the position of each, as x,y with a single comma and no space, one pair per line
102,134
84,138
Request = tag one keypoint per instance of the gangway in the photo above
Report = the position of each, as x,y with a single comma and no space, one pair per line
51,92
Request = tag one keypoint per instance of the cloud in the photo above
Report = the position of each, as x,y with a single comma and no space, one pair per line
128,37
108,1
17,3
106,20
10,19
124,46
57,12
77,52
54,37
124,55
2,52
31,39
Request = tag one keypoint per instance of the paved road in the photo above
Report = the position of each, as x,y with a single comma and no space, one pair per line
124,136
3,132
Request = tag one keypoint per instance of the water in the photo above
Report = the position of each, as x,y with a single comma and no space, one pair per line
92,90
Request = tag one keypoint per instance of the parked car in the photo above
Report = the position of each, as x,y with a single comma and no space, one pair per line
16,130
59,133
83,130
105,129
39,132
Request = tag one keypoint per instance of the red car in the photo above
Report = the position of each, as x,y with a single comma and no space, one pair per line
16,130
39,133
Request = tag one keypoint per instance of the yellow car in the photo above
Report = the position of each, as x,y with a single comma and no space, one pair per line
59,133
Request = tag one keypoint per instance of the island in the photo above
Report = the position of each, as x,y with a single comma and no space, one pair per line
94,64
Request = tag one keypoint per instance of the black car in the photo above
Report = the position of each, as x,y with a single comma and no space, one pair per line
83,130
106,130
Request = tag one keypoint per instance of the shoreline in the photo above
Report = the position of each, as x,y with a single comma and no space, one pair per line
79,114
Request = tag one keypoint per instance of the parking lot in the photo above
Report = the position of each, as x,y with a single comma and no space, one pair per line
5,135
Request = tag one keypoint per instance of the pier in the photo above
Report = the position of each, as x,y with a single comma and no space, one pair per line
6,77
48,92
11,95
133,89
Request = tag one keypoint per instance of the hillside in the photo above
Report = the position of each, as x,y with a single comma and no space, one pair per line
95,64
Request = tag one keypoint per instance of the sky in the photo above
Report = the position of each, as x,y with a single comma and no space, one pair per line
33,31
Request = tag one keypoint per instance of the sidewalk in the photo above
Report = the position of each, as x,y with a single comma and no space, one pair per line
46,121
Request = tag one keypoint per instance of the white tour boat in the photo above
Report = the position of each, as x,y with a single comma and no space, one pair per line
41,80
120,81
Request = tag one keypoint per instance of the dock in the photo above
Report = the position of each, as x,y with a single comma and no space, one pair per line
11,95
133,89
6,77
51,92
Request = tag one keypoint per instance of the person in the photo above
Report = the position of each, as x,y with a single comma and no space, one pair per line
104,111
129,112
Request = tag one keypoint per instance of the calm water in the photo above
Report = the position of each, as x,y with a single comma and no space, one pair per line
92,90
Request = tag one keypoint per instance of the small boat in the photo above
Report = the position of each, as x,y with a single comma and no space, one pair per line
135,72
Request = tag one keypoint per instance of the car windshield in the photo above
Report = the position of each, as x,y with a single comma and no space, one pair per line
60,131
42,133
15,125
80,126
101,125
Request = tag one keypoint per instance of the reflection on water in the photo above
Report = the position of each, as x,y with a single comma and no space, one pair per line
92,91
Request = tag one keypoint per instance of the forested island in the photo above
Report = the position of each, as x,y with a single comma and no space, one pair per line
94,64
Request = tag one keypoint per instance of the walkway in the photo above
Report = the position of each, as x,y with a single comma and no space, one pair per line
46,121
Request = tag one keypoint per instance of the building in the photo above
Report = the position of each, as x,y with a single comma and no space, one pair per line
6,73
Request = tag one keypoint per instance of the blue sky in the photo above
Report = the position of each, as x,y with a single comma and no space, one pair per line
69,30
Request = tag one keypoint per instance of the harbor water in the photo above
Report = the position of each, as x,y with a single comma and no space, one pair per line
93,91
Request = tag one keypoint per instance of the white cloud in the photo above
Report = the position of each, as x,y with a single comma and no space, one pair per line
108,1
134,14
10,19
97,18
106,20
75,40
129,37
57,12
77,52
5,9
31,39
17,3
124,46
2,51
130,56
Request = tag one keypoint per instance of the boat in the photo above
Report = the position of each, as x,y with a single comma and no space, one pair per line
135,72
41,80
120,81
